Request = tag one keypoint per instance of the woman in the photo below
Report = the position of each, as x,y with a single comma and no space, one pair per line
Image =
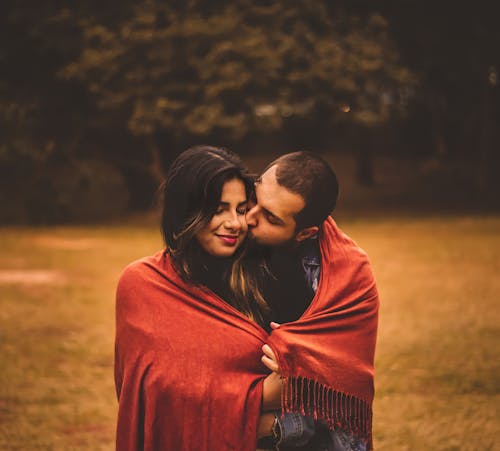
188,341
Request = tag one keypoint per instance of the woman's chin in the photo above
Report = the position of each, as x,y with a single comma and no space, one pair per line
223,251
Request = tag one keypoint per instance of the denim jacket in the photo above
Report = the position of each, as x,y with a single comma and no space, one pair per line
302,432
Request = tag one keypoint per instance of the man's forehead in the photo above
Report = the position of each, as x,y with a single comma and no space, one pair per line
276,198
269,175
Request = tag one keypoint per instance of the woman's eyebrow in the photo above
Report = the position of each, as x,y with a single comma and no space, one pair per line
226,204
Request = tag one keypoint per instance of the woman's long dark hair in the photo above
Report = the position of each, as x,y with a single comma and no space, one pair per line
191,194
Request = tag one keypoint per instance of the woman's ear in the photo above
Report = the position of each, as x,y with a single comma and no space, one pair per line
306,233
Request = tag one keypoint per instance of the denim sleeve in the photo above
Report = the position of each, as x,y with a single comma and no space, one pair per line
343,441
296,430
336,440
299,430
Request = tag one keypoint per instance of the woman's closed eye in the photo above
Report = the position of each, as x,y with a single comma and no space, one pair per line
242,208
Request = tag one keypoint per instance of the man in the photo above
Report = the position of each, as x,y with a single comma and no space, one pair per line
294,197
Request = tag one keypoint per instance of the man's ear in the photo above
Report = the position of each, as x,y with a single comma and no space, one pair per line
306,233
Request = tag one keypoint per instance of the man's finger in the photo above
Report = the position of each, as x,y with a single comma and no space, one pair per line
274,325
271,364
266,349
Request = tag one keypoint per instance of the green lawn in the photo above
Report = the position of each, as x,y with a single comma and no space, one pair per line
438,365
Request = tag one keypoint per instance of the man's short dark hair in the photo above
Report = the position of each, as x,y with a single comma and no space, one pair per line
308,175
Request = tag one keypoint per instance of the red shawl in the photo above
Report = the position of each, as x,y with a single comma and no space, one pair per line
329,351
187,364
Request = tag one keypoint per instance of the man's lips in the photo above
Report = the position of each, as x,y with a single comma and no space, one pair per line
230,240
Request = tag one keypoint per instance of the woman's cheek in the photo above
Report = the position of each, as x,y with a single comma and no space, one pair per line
244,226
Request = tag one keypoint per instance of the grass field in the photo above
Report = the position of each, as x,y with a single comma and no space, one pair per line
438,362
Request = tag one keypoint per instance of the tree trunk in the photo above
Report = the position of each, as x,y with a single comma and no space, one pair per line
486,143
364,161
364,167
437,108
156,166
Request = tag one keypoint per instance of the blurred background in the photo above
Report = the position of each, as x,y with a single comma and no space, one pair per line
97,98
401,97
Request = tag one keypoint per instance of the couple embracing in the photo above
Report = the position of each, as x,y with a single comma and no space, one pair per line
255,327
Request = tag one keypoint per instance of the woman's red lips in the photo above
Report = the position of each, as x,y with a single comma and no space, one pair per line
229,239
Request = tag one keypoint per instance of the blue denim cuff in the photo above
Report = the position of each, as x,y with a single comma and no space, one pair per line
296,430
343,441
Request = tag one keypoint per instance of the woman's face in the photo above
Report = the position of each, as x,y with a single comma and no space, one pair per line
227,228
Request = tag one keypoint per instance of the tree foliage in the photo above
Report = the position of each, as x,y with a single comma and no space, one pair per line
91,82
240,66
454,49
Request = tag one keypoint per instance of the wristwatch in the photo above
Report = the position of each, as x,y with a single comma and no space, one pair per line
273,440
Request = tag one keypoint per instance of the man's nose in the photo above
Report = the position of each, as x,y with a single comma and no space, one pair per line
251,216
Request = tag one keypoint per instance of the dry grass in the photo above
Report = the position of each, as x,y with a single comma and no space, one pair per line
438,369
56,336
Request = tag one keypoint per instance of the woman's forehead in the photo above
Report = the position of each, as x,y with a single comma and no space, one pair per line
233,189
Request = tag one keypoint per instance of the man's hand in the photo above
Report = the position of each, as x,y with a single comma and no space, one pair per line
271,392
271,395
265,425
269,359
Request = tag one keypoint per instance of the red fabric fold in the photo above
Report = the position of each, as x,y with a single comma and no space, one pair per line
187,365
327,355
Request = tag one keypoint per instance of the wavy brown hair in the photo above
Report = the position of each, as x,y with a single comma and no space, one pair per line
191,194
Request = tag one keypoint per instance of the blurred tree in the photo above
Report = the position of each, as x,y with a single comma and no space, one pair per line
125,84
454,49
200,67
37,124
44,120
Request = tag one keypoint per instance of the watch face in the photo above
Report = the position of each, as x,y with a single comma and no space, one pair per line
276,428
271,441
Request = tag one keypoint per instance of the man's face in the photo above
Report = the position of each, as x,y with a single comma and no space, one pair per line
271,221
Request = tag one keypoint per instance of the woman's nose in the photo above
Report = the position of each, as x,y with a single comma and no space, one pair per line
232,222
